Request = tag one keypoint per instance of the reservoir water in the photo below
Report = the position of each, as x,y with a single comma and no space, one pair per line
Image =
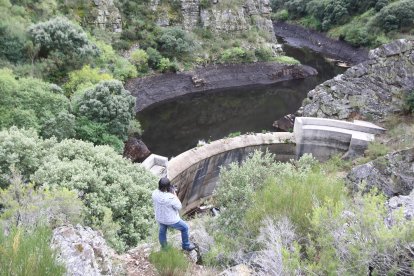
174,127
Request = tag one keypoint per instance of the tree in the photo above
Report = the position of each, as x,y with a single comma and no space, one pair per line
29,102
108,103
175,42
60,34
84,78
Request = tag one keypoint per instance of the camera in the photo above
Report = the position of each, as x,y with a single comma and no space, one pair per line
173,189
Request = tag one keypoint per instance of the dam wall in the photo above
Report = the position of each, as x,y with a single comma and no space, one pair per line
196,171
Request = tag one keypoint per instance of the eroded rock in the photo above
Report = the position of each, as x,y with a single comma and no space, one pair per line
369,90
83,251
286,123
392,174
105,15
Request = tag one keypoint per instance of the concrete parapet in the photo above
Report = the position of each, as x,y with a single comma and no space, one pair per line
326,137
156,164
196,171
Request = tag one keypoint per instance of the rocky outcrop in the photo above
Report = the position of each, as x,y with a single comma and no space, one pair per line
105,15
369,90
166,87
403,203
220,17
136,150
83,251
286,123
392,174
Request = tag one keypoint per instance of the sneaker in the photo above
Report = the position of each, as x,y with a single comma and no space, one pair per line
190,247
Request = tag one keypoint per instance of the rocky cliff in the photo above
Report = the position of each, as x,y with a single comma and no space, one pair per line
222,17
369,90
105,15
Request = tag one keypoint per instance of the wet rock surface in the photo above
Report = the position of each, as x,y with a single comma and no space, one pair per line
393,174
370,90
156,89
299,37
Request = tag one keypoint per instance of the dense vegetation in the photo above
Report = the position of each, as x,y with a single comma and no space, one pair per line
362,23
299,219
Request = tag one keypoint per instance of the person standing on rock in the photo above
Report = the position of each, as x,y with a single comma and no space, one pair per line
166,207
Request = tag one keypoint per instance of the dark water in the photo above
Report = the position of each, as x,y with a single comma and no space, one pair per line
174,127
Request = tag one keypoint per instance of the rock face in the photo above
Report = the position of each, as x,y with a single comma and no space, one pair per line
83,251
369,90
105,15
220,17
156,89
136,150
406,203
393,174
286,123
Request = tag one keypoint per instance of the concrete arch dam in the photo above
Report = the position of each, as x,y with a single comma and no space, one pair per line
196,171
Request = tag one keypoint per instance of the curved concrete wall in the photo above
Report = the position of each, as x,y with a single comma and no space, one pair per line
196,171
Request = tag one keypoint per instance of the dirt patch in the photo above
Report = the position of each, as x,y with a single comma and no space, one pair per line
165,87
299,37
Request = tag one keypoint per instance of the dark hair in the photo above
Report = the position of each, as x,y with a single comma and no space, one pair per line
164,184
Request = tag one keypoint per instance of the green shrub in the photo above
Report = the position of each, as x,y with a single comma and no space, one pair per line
264,54
140,59
107,103
154,58
29,102
23,205
409,102
398,15
293,195
286,60
84,78
376,149
174,42
281,15
28,253
236,55
352,238
166,65
169,261
101,177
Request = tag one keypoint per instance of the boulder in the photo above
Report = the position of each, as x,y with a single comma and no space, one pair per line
370,90
286,123
83,251
393,174
404,203
136,150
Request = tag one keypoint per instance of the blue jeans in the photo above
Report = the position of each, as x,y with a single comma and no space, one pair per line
182,226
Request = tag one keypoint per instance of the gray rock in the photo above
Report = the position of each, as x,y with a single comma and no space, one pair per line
105,15
82,250
404,203
392,174
369,90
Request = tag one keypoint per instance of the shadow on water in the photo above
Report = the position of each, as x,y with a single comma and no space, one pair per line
174,127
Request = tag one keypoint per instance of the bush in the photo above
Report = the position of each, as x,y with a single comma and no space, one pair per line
286,60
28,102
167,66
174,42
25,206
154,58
235,55
84,78
169,261
107,103
102,178
140,59
264,54
60,34
352,238
28,253
396,16
293,195
281,15
409,102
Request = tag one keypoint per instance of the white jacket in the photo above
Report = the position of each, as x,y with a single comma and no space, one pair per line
166,206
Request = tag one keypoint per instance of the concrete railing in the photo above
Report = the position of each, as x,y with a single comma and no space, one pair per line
196,171
326,137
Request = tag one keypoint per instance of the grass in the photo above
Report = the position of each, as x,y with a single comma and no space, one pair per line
294,196
170,262
286,60
28,253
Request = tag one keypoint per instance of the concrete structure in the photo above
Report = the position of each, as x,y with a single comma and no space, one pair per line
156,164
196,171
326,137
